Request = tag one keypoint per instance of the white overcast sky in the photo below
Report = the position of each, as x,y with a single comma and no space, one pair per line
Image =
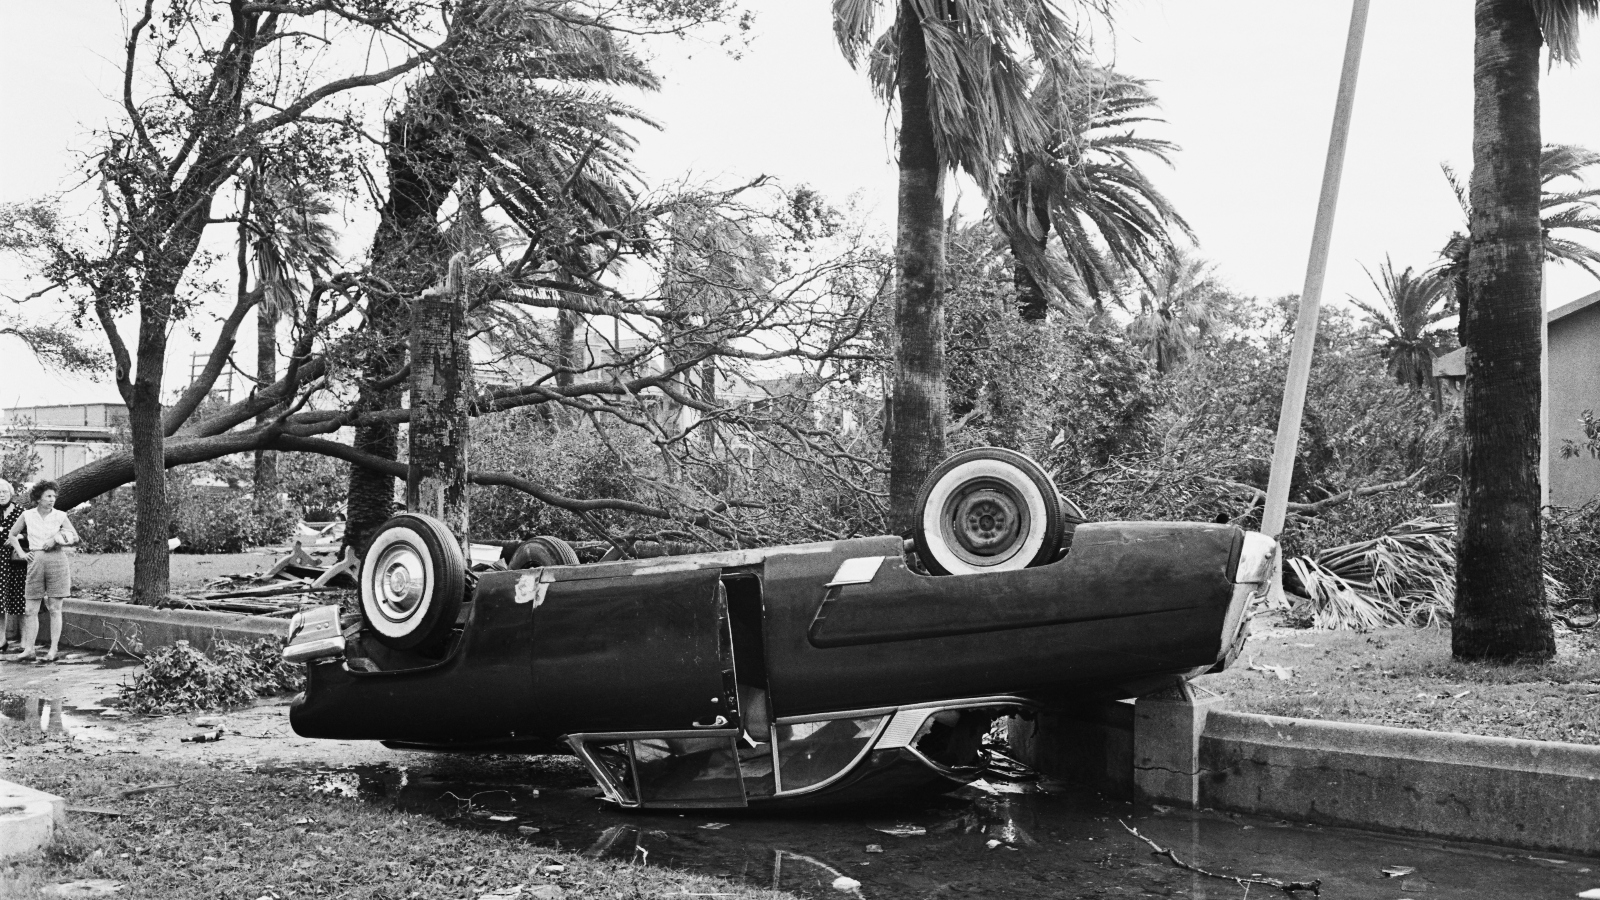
1246,85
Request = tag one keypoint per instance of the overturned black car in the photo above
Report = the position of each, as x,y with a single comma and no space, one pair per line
798,674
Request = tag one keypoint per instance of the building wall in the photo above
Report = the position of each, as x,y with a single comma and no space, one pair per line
1574,387
57,458
88,415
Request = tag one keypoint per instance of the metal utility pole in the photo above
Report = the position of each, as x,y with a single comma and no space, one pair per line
1305,327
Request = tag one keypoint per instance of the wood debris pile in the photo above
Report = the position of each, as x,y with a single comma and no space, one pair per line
311,572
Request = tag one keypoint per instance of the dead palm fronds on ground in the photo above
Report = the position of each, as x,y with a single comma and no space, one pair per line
1406,576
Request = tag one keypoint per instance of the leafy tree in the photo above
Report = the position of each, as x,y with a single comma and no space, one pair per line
1076,394
1084,181
1409,306
196,105
960,71
1176,309
1501,612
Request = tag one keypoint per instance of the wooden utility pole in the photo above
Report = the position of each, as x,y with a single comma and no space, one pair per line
1305,327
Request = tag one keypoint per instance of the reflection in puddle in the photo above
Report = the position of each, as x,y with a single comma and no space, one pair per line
73,726
1055,840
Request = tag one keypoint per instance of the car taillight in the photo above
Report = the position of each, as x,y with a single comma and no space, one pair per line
314,634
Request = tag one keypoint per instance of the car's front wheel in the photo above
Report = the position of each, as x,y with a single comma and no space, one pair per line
412,582
987,510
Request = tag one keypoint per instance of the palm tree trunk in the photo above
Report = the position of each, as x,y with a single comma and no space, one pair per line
406,252
1031,302
1500,603
917,443
266,473
441,384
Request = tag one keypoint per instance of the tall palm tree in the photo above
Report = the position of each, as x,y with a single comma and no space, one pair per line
1175,309
1409,305
291,234
1085,182
1500,603
517,111
960,71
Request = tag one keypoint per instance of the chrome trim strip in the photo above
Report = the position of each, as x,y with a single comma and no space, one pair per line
599,773
777,765
830,716
1255,559
959,703
647,735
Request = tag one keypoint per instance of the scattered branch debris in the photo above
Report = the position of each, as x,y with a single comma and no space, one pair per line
309,570
1288,887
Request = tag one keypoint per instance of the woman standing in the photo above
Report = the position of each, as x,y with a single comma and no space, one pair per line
13,572
49,534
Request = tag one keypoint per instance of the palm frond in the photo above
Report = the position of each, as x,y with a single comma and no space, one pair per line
1558,20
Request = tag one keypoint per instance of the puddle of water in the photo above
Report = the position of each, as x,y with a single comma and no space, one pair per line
982,840
77,727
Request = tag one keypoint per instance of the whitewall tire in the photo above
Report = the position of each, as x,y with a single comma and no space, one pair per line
412,582
987,510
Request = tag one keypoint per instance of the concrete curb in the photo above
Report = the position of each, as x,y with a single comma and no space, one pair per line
27,818
1533,795
95,625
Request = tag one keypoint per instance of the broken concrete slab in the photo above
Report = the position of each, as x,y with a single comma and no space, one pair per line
27,818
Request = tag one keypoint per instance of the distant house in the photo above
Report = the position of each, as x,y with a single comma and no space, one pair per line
65,437
1572,386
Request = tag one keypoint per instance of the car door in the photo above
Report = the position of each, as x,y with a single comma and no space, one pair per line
637,648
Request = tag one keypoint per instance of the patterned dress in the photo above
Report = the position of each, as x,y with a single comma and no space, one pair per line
13,575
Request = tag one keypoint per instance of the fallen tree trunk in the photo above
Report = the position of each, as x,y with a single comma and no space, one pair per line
114,470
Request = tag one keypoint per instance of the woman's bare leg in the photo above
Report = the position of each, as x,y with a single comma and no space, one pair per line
55,627
30,627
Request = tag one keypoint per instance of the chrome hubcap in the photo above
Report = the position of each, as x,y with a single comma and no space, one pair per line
399,582
987,521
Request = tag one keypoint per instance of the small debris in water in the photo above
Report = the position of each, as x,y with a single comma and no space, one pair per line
1397,871
993,843
845,883
208,721
874,848
904,830
527,829
502,818
713,826
112,714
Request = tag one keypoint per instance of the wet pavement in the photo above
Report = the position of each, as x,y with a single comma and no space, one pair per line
1004,840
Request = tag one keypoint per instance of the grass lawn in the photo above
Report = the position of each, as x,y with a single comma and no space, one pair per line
222,833
1405,677
112,572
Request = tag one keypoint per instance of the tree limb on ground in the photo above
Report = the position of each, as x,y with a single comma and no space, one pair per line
1258,496
1288,887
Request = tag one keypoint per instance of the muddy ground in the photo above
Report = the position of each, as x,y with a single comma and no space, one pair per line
995,839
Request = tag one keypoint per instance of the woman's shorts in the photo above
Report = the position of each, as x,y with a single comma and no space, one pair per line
49,575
